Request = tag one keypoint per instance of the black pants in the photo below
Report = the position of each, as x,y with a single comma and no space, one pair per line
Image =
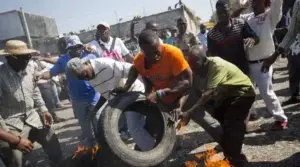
294,74
232,115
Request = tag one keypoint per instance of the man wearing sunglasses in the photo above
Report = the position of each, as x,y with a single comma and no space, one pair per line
19,95
83,95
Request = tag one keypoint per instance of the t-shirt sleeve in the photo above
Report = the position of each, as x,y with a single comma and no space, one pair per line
216,76
138,63
124,50
58,68
179,64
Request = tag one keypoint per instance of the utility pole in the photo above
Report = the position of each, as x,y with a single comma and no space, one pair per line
23,18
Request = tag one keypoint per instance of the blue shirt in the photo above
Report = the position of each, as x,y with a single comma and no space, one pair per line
170,41
78,89
203,38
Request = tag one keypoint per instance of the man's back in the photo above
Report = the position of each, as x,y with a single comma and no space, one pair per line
226,77
108,75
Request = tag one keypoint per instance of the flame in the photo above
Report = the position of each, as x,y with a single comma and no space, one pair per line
83,149
94,151
191,164
180,126
80,149
208,157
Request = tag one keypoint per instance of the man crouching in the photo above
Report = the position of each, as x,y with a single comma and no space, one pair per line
229,92
105,74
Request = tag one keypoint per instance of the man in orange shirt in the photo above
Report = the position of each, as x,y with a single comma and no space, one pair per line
166,74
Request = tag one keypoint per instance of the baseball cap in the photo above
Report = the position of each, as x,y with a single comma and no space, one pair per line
103,24
73,40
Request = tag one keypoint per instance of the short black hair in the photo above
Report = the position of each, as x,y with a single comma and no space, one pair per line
150,24
222,3
203,25
147,37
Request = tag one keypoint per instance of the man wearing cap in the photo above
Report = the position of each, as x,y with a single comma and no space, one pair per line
83,95
19,95
108,46
185,40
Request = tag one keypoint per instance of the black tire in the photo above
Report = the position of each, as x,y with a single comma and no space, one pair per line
115,152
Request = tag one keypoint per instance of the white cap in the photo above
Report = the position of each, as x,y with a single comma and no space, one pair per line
73,40
104,24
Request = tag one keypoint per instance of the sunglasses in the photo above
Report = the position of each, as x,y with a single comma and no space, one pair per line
20,57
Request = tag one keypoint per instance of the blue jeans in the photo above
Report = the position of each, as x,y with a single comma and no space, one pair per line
56,91
48,94
81,110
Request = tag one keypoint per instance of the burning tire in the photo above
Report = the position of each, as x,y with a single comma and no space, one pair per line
114,152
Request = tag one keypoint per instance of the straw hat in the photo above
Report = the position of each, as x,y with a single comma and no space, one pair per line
16,47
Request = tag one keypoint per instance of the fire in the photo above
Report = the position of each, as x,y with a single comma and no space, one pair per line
208,157
94,152
79,150
82,149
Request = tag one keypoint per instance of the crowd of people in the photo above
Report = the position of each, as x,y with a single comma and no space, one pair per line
186,74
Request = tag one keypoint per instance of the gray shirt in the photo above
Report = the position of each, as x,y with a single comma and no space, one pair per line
18,96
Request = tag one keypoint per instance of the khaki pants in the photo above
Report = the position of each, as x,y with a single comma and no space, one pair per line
46,137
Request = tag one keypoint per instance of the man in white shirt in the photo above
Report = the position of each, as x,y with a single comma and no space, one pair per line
105,74
202,36
107,46
263,22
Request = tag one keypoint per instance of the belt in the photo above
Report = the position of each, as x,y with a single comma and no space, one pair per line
256,61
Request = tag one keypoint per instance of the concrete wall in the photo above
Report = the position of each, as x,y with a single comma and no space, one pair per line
39,26
11,25
165,20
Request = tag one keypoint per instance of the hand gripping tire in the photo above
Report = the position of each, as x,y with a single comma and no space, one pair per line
112,146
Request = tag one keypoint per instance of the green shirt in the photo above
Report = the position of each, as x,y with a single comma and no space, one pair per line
227,80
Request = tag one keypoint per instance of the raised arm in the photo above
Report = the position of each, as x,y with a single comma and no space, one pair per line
294,29
275,12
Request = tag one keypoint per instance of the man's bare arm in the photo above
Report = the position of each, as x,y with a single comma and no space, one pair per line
8,137
184,82
148,85
132,76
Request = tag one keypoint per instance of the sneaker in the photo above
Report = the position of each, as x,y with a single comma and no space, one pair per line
292,100
278,125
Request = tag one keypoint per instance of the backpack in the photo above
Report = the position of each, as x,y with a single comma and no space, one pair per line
111,53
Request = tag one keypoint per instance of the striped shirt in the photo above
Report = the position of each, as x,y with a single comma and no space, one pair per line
230,45
294,28
18,96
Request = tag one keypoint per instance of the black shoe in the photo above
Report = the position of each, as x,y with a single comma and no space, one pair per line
292,100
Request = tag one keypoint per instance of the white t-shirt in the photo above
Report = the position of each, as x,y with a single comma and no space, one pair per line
120,47
109,73
264,25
